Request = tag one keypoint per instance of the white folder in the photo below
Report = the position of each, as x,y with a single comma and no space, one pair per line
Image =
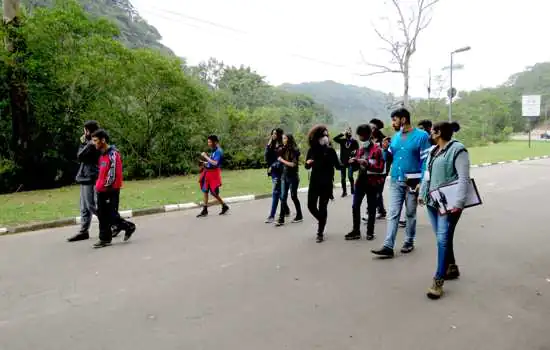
446,196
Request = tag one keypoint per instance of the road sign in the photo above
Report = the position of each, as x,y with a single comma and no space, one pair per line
451,93
530,105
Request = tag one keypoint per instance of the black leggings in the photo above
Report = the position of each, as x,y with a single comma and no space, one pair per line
317,203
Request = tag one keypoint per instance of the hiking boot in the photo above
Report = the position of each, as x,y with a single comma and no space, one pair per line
320,238
269,220
353,236
101,244
452,272
370,236
79,237
407,248
297,219
203,213
225,209
129,231
384,252
436,290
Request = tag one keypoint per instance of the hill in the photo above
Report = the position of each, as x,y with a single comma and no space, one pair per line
349,104
493,114
135,32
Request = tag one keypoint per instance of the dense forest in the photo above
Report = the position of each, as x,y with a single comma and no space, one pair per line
99,60
157,109
133,31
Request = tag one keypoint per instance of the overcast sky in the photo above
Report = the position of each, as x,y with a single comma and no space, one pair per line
310,40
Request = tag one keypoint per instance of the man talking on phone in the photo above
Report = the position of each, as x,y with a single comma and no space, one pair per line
88,157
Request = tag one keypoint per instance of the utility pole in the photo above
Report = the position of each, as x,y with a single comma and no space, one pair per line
452,91
429,92
18,92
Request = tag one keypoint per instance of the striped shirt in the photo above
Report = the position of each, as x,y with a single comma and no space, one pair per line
409,152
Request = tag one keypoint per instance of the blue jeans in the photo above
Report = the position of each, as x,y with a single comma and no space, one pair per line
276,196
444,228
290,183
399,194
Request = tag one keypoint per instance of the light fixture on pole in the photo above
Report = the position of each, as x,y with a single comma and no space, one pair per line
452,91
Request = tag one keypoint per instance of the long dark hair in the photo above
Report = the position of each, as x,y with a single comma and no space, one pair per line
290,148
279,132
315,134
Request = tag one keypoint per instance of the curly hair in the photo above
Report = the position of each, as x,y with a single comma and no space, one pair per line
315,134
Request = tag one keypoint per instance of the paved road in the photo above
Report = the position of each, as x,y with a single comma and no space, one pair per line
235,283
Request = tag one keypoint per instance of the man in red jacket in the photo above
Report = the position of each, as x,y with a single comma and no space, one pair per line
108,185
370,162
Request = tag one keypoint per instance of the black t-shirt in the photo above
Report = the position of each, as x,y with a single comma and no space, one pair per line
291,155
325,160
348,146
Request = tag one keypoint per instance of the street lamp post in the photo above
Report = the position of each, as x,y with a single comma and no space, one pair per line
451,91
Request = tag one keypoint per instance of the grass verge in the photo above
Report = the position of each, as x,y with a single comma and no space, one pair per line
38,206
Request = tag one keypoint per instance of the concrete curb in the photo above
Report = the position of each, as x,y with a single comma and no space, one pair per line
187,206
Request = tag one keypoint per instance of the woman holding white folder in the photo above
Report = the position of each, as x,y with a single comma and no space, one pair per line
448,162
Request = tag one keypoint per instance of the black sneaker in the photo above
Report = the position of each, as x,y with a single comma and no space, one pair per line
225,209
402,224
320,238
353,236
203,213
384,251
79,237
407,248
101,244
370,237
279,223
129,232
116,231
297,219
344,194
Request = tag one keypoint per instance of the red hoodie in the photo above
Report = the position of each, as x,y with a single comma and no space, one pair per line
110,171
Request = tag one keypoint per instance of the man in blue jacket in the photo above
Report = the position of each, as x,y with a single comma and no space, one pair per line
409,148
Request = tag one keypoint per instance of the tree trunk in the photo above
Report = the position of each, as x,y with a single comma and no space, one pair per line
406,86
17,83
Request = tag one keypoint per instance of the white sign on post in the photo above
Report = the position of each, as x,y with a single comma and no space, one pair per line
530,105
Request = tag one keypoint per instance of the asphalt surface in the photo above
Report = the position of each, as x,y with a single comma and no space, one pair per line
236,283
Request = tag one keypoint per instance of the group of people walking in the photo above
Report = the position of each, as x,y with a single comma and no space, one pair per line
415,160
100,179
